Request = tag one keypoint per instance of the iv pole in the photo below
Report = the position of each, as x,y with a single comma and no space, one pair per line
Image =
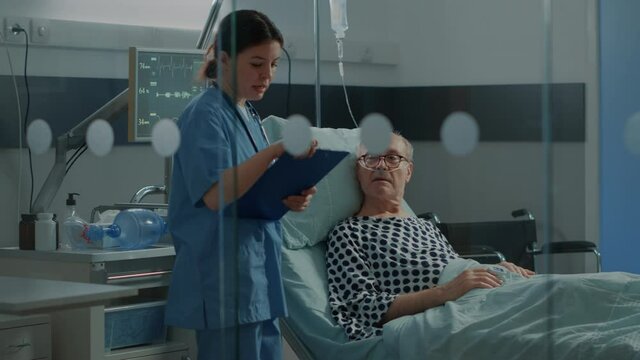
75,137
316,41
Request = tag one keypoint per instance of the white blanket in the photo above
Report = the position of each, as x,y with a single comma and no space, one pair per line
587,316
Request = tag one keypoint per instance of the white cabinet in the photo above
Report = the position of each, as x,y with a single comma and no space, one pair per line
25,337
79,333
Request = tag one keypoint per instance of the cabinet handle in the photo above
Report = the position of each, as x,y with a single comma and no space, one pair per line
137,276
17,348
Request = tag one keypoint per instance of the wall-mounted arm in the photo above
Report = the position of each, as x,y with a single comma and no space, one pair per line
70,140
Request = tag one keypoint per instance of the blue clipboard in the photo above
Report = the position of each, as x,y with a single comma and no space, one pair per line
286,176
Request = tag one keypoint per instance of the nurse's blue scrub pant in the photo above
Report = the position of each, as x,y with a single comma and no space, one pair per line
246,342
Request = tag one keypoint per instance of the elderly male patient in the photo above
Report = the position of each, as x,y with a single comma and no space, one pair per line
383,263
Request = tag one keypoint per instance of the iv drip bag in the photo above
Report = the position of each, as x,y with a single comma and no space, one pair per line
339,17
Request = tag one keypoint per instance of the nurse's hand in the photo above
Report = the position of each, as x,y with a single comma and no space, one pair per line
278,149
300,202
310,151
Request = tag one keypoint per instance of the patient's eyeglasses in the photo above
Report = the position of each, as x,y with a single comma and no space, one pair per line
392,161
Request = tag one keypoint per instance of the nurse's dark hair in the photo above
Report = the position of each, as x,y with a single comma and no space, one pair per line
252,28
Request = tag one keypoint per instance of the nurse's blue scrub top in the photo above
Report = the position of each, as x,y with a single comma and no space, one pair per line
227,270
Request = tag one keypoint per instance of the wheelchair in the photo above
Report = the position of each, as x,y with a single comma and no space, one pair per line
512,240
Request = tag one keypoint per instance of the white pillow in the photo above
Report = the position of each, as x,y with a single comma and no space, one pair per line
338,195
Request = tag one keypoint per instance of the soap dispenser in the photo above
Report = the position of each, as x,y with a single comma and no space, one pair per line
70,214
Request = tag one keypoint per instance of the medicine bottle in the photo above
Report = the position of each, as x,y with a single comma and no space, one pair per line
45,232
27,232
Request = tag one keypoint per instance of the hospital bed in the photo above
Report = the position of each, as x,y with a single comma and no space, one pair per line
312,333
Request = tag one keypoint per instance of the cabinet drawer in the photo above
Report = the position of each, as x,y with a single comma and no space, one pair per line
174,355
134,324
168,351
26,342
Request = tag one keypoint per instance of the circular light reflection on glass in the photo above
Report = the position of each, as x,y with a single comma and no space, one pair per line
632,134
39,136
296,135
100,137
165,137
460,133
375,133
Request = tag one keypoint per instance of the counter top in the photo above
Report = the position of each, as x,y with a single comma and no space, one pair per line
89,255
26,295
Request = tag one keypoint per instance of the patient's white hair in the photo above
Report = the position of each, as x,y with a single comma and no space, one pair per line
407,145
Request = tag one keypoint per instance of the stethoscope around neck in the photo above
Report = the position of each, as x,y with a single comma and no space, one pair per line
254,115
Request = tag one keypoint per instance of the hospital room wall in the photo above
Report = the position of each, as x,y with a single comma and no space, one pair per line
464,54
492,42
502,42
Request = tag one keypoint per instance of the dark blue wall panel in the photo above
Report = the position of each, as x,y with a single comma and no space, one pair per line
504,112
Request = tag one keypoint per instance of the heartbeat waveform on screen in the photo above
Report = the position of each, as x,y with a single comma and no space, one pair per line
175,94
183,66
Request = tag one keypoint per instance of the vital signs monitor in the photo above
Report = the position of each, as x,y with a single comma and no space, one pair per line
161,84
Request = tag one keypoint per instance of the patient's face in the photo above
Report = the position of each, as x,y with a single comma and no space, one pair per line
382,184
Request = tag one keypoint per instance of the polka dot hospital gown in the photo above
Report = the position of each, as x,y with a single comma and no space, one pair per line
370,261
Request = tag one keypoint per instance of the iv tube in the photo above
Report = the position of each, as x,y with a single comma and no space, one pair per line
339,24
344,87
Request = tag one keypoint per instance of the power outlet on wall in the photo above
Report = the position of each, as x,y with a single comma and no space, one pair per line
40,31
10,23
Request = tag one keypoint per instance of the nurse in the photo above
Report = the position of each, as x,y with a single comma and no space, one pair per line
226,281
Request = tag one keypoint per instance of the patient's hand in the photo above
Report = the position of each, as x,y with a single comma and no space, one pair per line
517,269
300,202
477,278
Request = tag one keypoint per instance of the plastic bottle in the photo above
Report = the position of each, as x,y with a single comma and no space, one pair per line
131,229
339,23
70,214
45,232
75,230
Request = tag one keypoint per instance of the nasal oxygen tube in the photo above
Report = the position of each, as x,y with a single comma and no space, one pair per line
339,24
